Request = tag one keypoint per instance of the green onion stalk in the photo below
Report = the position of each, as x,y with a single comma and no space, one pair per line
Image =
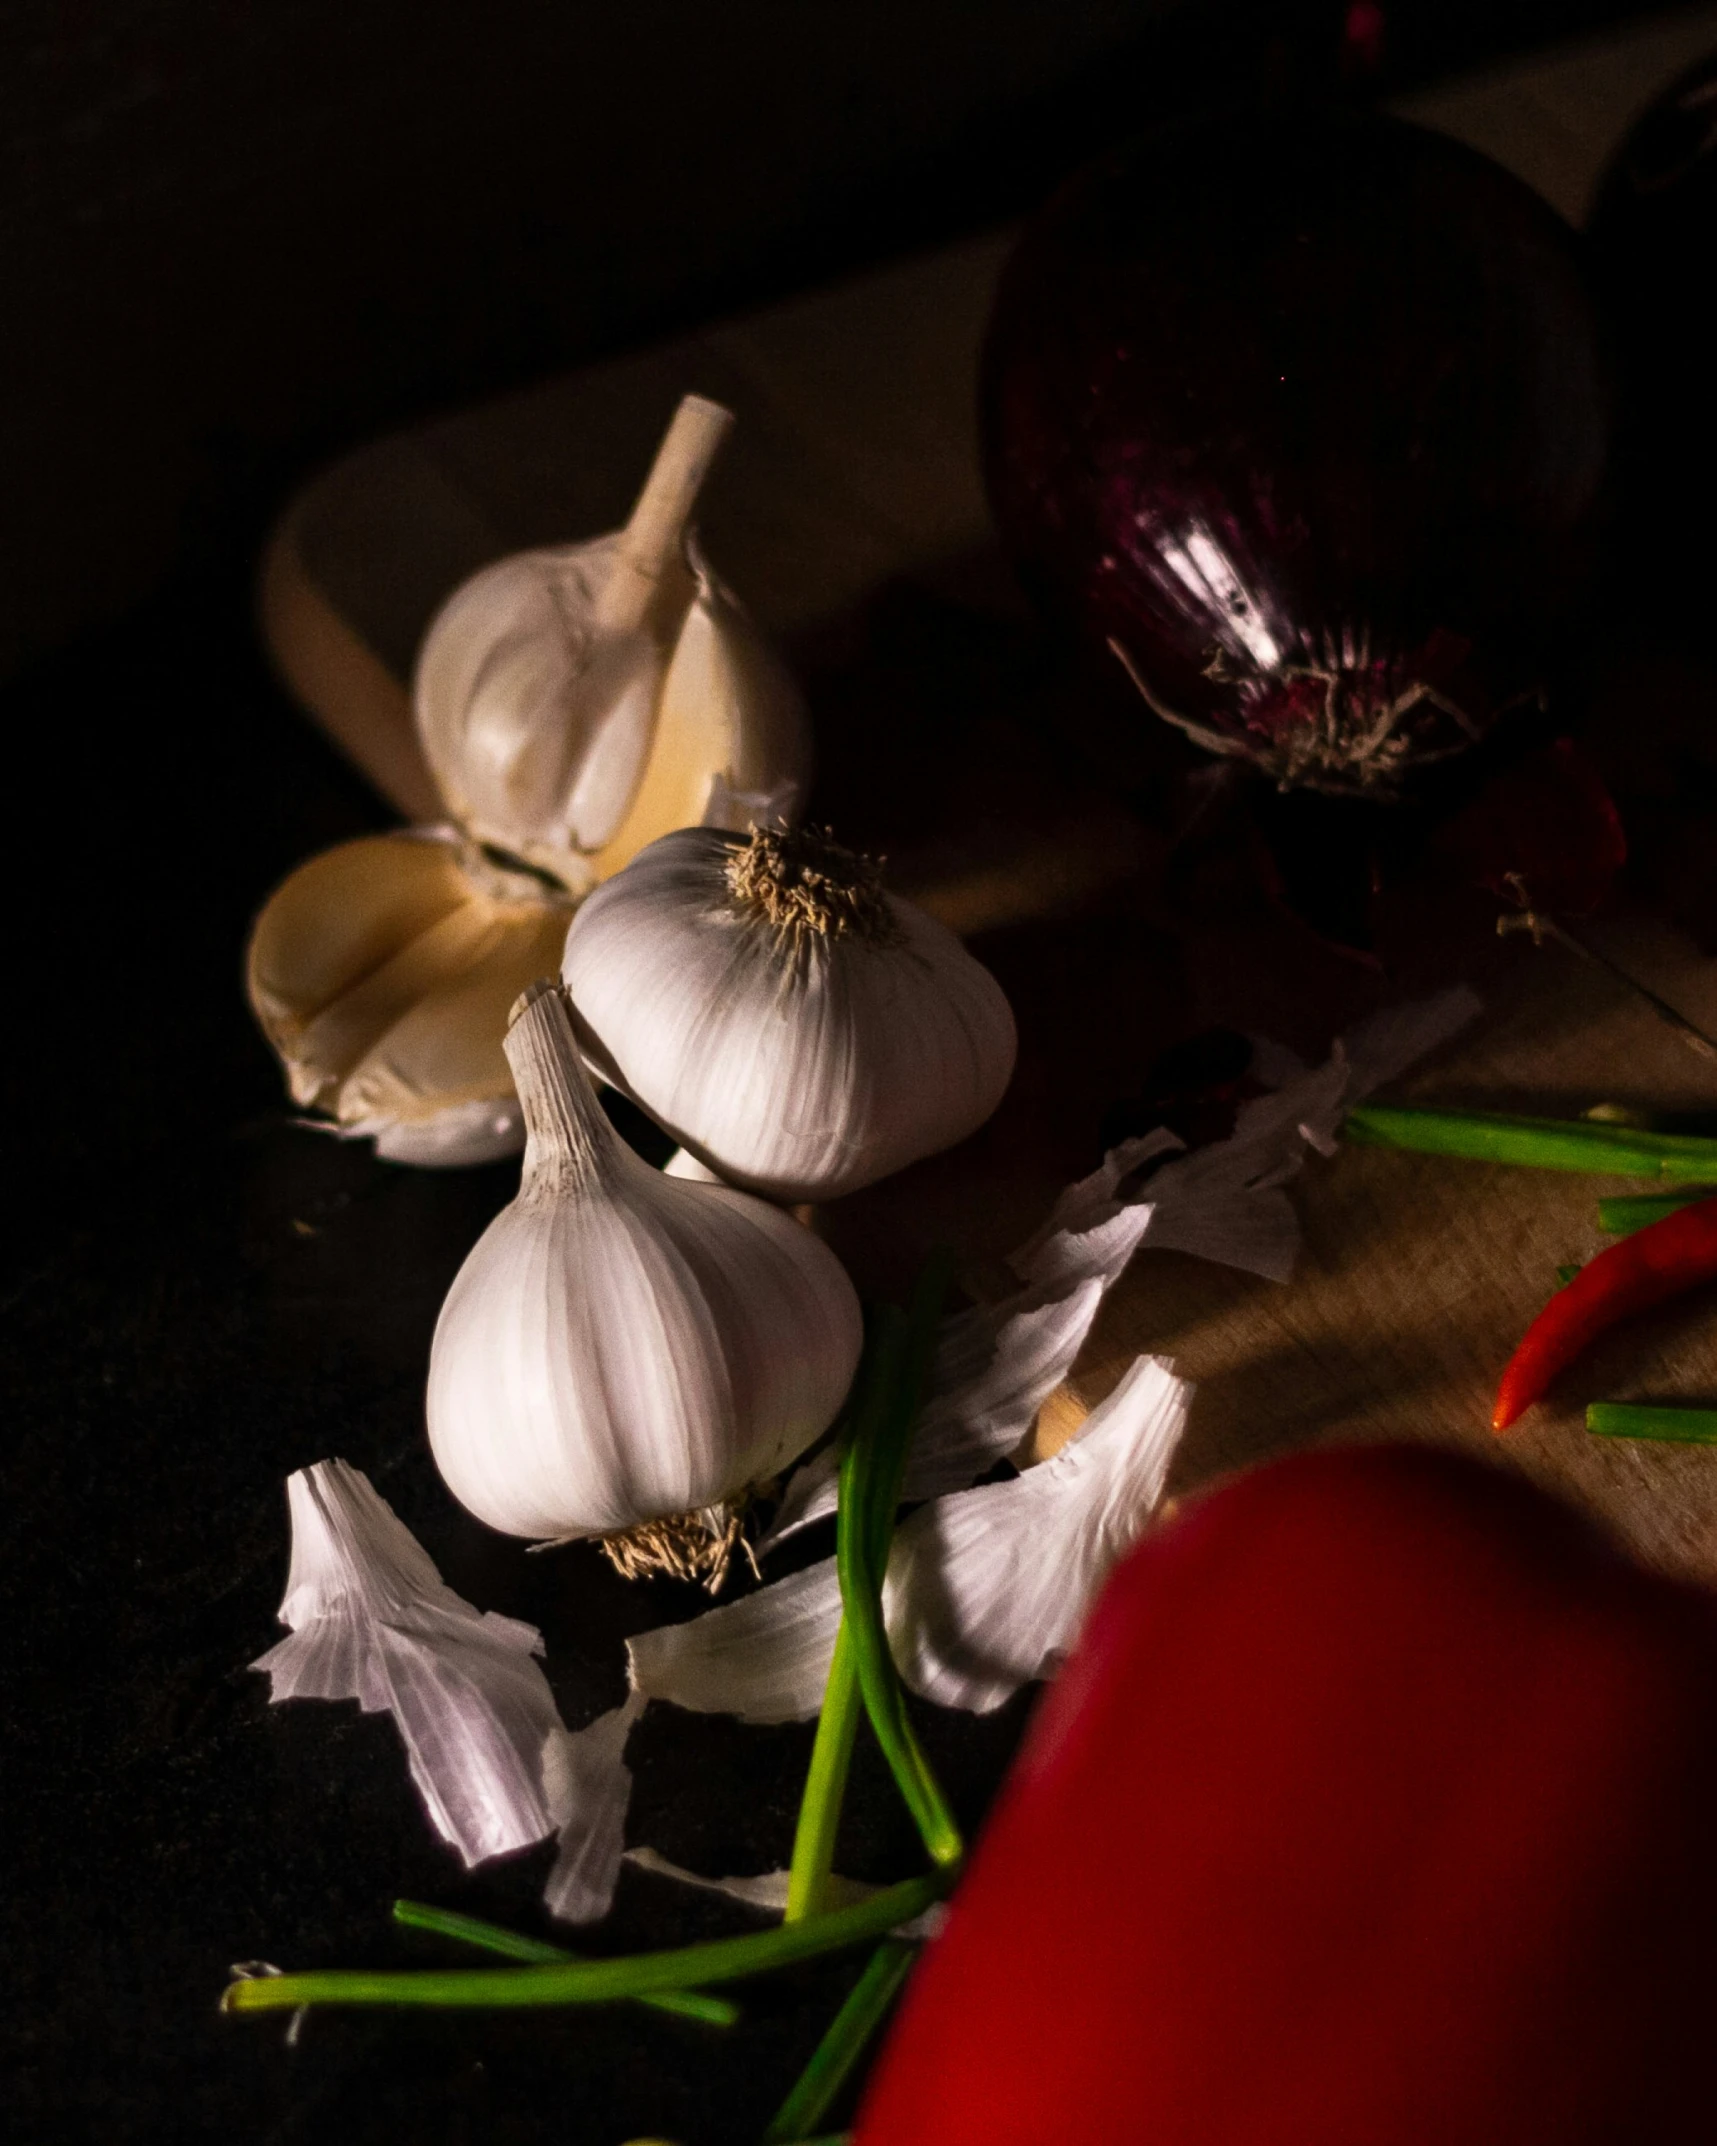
1581,1144
1631,1419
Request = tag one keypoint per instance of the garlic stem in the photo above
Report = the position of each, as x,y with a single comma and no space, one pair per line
654,538
566,1130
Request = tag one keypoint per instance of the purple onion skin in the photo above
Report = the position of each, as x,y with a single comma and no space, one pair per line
1306,420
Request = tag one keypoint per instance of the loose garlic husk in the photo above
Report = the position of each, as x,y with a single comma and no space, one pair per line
796,1029
382,972
623,1355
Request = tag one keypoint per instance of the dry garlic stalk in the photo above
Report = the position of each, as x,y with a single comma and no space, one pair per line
795,1028
574,703
623,1355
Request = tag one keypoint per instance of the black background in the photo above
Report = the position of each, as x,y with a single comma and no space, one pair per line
233,241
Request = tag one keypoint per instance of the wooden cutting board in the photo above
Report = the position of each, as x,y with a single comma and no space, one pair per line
848,512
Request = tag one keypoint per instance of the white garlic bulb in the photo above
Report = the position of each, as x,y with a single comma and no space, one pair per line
574,704
795,1028
622,1350
577,701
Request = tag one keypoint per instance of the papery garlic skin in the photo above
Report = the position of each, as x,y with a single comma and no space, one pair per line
382,971
798,1063
620,1348
706,710
371,1619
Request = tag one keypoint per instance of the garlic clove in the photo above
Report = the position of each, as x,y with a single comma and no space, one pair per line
577,700
731,732
796,1029
382,972
334,922
622,1350
986,1588
463,1133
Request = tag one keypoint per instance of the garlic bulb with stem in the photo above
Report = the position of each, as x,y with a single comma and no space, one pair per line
798,1030
622,1355
545,693
382,972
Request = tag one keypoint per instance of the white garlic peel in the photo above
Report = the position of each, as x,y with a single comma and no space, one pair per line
372,1620
620,1348
997,1364
796,1029
986,1588
578,700
382,971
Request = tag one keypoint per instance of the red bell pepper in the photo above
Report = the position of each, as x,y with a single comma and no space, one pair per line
1647,1268
1376,1807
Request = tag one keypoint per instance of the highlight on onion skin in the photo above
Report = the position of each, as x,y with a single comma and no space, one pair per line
1306,421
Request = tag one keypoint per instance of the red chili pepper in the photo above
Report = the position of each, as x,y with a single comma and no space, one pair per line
1376,1807
1647,1268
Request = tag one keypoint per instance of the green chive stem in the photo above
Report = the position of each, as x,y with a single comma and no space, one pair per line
1629,1419
837,2054
725,1959
871,1471
838,1718
1626,1212
537,1952
1600,1150
825,1784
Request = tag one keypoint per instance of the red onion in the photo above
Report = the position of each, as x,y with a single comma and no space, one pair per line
1305,419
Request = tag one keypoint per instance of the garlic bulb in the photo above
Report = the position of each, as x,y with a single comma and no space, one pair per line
622,1354
382,972
574,704
795,1028
577,701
